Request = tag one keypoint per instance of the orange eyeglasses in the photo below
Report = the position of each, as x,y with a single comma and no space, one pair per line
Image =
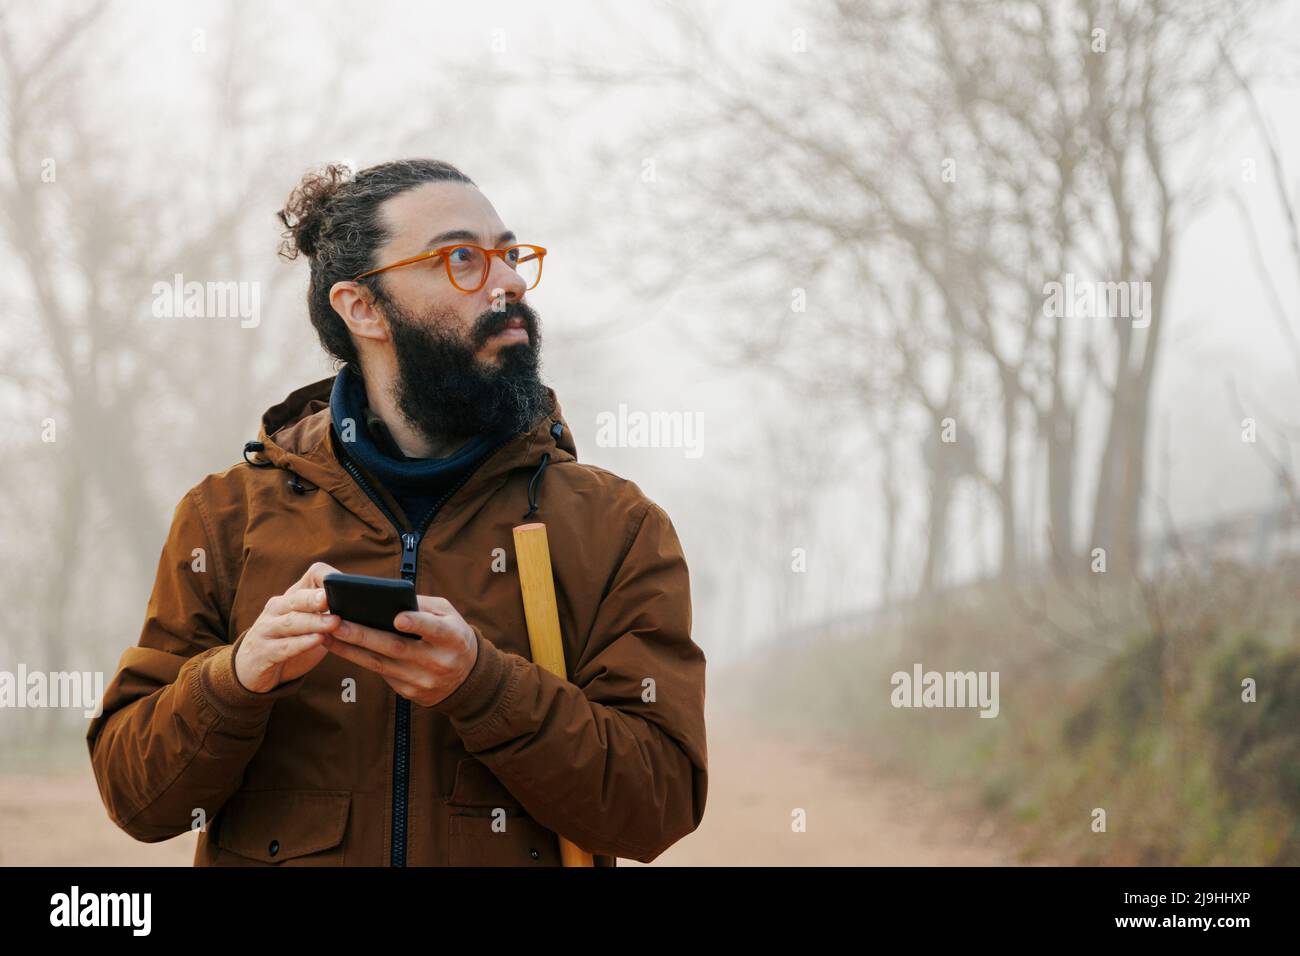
468,264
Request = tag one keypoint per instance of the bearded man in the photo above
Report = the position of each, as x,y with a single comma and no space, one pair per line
289,736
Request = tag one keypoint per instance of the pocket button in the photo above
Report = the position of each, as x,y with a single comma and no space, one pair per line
274,848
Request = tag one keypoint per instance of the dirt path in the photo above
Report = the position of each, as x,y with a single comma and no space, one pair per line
854,815
58,820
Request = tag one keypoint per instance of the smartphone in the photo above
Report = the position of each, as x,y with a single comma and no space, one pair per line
373,602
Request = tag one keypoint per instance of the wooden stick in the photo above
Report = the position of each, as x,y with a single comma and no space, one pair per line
536,582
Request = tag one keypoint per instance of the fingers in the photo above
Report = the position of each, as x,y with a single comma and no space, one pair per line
379,642
305,599
386,667
314,577
290,647
294,623
436,622
433,605
429,626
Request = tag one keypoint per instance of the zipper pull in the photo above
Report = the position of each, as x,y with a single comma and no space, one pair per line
409,542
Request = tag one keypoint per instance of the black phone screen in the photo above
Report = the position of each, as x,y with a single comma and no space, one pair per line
373,602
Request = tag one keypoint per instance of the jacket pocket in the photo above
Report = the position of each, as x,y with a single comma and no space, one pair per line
471,841
276,826
477,786
478,799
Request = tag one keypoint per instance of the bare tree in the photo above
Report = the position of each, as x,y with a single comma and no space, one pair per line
88,240
1288,432
958,157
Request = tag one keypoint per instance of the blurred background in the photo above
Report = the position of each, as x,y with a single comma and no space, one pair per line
827,235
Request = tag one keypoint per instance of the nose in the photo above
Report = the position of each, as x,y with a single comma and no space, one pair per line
503,281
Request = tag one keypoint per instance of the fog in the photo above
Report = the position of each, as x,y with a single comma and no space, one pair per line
818,236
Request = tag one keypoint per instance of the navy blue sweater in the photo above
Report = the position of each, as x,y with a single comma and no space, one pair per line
416,483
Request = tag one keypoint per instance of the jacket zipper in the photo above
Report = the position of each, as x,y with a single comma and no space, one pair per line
402,728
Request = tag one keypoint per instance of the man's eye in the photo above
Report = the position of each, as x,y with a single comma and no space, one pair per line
513,256
463,254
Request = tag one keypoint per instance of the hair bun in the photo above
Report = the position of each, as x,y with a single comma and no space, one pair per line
304,215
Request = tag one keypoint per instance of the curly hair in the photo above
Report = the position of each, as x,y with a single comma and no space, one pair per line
332,217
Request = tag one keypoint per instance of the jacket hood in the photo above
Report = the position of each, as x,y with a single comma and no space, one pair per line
296,435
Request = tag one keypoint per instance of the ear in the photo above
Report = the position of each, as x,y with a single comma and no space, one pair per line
355,306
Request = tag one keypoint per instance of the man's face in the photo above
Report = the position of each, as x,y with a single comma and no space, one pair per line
467,363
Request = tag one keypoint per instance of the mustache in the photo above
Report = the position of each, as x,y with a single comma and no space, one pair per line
491,322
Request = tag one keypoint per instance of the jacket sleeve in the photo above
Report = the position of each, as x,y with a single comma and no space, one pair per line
616,760
177,728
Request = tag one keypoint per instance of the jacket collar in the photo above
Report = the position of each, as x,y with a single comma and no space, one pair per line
297,436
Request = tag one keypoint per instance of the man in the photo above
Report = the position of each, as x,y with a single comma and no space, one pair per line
289,736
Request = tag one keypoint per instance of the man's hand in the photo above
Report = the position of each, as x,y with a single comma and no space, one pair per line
424,671
289,638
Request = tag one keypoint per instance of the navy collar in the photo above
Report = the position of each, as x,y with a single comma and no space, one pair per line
349,406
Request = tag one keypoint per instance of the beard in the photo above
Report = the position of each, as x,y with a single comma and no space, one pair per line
443,390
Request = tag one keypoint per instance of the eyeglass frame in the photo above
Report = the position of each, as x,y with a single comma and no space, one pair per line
487,253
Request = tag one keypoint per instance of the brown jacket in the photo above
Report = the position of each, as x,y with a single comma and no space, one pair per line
310,774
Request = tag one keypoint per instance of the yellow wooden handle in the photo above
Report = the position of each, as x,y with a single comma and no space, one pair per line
536,582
